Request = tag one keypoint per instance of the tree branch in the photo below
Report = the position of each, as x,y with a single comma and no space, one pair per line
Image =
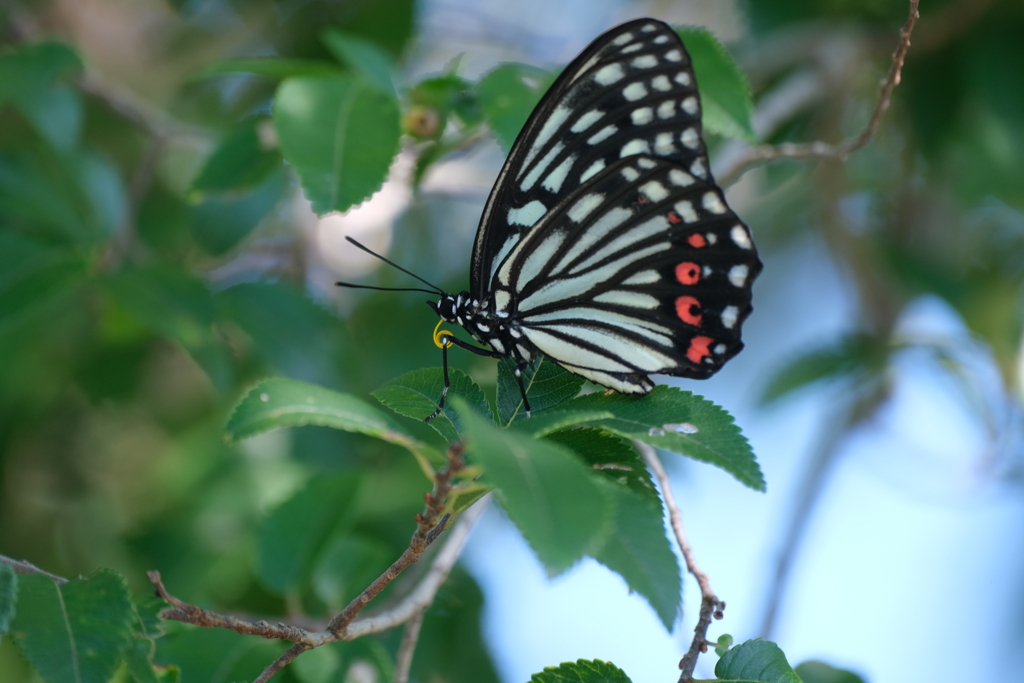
710,605
403,660
825,150
23,567
429,526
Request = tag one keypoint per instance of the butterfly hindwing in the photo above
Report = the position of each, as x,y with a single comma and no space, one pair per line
644,269
631,92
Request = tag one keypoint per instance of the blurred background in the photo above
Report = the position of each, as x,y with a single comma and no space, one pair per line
881,386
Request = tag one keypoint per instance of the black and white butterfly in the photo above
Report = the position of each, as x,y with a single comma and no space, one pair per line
605,244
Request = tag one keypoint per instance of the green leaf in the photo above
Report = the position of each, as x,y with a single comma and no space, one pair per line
553,497
25,72
239,162
849,355
637,547
8,597
416,394
147,613
74,631
56,113
293,535
221,221
347,565
681,422
169,300
216,655
319,665
724,90
582,671
138,657
340,134
279,402
547,384
813,671
34,277
368,60
446,94
756,660
554,420
270,67
508,95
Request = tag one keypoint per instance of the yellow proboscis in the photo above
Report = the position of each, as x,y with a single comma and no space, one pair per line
439,333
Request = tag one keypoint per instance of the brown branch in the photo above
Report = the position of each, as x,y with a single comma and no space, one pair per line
825,150
403,660
23,567
710,605
429,526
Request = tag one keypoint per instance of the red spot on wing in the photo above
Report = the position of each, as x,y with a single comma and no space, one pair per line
674,218
685,307
696,240
688,273
698,350
641,199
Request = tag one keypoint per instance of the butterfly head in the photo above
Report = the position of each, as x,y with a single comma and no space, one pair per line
451,307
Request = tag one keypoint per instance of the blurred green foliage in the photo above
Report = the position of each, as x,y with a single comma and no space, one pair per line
152,269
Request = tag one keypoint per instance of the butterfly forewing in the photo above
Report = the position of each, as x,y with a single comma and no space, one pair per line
631,92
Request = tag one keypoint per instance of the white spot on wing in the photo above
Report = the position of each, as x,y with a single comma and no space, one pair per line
623,39
690,105
738,275
683,78
630,174
645,61
730,314
712,203
740,237
647,28
608,221
535,261
587,120
674,55
661,40
602,135
642,116
685,210
632,48
634,91
527,215
644,277
638,146
719,349
697,168
680,178
584,206
645,163
630,299
667,109
534,174
661,83
502,298
496,345
654,190
592,170
502,253
690,138
555,179
711,237
607,75
663,145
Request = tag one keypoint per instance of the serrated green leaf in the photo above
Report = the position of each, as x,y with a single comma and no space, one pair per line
546,383
339,134
8,596
75,631
553,497
582,671
554,420
281,402
637,547
368,60
416,394
724,90
508,95
270,67
849,355
239,162
147,609
756,660
294,534
138,658
813,671
681,422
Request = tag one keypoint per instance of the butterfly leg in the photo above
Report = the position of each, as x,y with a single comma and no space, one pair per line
522,389
447,383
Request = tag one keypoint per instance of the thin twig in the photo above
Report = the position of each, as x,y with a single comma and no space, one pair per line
825,150
345,626
23,567
710,605
403,660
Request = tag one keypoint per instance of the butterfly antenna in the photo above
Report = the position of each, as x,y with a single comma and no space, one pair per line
435,289
385,289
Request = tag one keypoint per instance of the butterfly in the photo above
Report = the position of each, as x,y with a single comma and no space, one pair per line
605,244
